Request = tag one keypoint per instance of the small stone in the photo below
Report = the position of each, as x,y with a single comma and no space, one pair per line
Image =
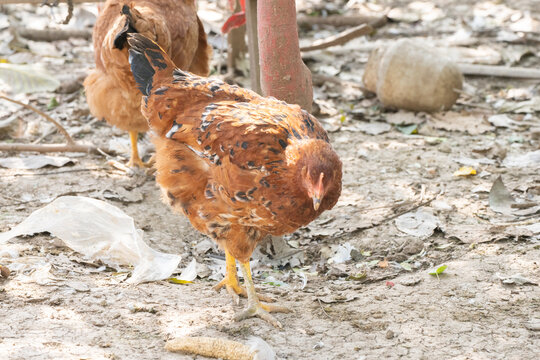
4,271
389,334
414,246
356,255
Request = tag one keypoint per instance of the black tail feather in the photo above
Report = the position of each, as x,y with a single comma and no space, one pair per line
121,38
145,58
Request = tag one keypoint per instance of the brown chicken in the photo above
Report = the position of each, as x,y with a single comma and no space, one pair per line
238,165
110,89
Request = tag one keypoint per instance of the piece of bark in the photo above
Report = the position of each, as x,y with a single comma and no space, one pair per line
339,39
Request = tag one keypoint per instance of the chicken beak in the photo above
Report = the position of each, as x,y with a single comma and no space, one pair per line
316,202
319,193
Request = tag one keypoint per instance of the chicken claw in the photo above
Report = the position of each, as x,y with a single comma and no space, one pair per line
230,281
255,307
135,160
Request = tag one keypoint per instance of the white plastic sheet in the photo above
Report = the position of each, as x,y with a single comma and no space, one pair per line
101,231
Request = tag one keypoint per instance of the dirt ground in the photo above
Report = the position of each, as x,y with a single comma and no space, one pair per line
358,278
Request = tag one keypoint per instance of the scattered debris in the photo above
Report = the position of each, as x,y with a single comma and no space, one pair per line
35,162
342,254
516,279
500,199
465,171
99,231
421,223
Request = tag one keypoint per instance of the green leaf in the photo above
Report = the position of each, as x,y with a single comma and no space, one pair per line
408,129
342,118
439,271
406,266
357,277
53,103
27,78
178,281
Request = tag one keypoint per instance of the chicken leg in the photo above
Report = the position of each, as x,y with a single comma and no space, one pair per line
230,281
255,307
135,160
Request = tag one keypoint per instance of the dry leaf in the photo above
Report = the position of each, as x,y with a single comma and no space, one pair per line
421,223
500,199
465,171
473,124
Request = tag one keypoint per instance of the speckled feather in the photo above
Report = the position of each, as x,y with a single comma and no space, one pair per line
230,159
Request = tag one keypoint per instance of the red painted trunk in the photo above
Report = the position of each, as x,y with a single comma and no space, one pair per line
283,74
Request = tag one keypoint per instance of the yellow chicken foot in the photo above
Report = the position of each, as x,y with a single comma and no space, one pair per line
255,307
135,160
230,281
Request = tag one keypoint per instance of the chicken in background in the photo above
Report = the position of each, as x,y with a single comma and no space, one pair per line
238,165
110,89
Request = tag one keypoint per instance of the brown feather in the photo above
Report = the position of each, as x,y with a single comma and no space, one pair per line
110,88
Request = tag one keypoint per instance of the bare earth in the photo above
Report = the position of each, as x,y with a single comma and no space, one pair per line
382,302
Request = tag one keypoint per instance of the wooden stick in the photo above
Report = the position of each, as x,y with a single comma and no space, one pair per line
47,148
500,71
53,34
339,39
30,107
339,20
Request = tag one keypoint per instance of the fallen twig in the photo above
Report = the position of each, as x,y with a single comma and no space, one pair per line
500,71
339,20
53,172
396,215
47,148
37,111
339,39
322,308
52,34
70,12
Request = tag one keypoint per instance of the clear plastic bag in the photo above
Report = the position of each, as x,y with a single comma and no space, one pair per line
101,231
